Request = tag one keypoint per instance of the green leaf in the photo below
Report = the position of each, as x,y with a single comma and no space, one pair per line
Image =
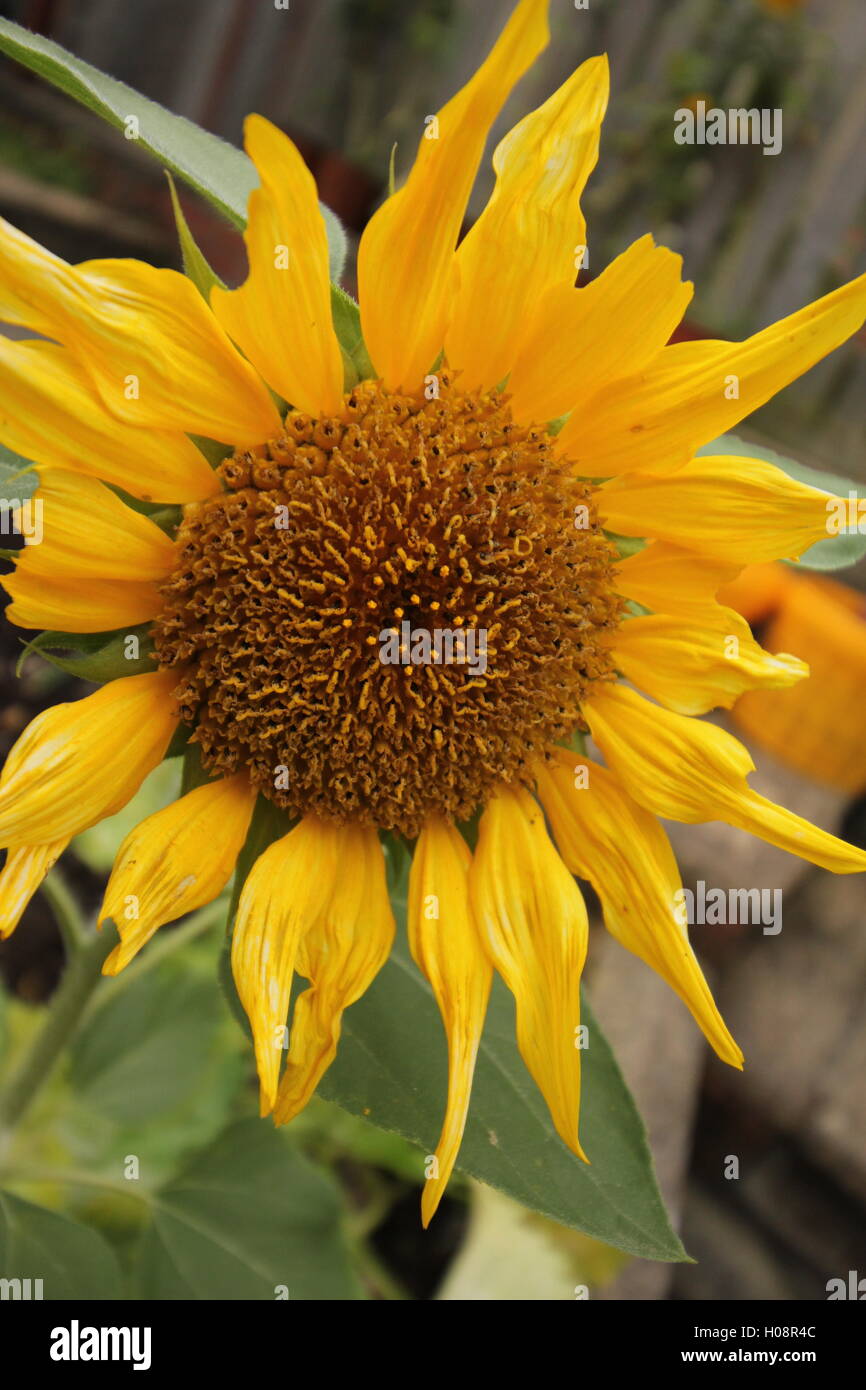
203,276
391,1069
247,1219
96,656
347,326
17,479
145,1051
837,551
219,172
72,1261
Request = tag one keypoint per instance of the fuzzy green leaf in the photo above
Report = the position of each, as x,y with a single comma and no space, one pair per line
219,172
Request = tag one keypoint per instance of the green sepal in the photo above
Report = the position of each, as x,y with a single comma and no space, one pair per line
165,515
347,326
17,479
194,773
99,656
212,449
575,743
626,545
195,266
179,742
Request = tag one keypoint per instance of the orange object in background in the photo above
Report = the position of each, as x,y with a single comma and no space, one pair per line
818,726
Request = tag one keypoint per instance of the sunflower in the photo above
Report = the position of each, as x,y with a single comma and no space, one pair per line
512,427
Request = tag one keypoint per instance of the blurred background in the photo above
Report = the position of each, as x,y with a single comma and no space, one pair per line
760,236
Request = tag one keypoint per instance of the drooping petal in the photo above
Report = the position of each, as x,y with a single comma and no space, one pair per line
23,872
695,665
406,252
736,509
175,861
533,920
51,413
281,315
670,579
606,838
526,239
84,531
76,763
446,945
688,770
340,955
694,392
147,340
42,600
285,894
90,549
568,350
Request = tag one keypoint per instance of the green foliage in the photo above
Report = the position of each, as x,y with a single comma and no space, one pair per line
73,1261
246,1219
146,1049
391,1069
219,172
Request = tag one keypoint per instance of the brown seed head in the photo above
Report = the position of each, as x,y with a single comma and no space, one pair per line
294,587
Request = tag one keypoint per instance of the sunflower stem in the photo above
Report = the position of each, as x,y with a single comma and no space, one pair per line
67,1005
67,913
167,945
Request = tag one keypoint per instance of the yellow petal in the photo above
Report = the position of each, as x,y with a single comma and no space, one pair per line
89,532
606,838
145,337
406,252
687,770
695,665
532,918
175,861
51,413
447,947
81,605
340,955
281,315
567,349
76,763
735,509
669,579
526,240
81,533
285,894
694,392
24,870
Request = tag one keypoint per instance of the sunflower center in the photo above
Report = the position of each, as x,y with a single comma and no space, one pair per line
387,614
